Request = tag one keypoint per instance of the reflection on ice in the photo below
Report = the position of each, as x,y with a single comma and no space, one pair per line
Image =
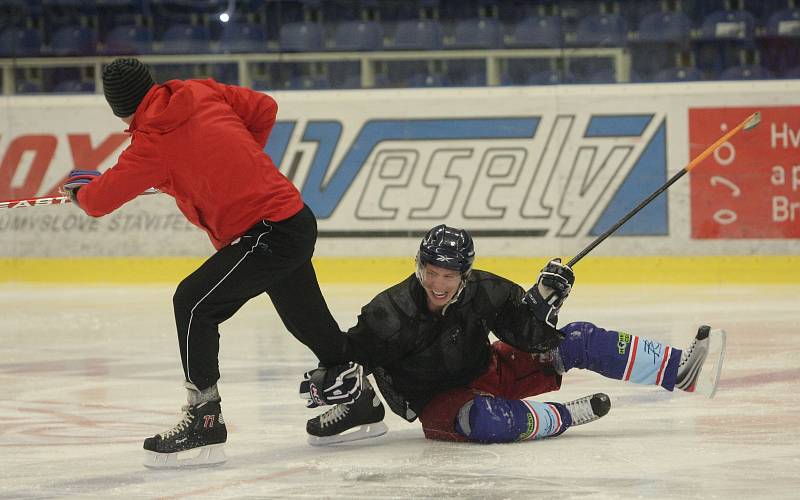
89,372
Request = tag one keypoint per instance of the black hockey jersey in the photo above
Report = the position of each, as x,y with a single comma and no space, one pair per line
416,354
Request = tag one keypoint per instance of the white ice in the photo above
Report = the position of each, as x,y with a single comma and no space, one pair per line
87,372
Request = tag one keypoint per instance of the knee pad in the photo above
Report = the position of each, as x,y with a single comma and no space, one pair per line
573,349
487,419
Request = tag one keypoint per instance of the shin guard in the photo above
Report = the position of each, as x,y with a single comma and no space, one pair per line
488,419
619,355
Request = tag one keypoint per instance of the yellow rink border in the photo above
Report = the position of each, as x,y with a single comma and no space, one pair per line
686,269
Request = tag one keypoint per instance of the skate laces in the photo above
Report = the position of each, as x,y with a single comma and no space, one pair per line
333,415
581,410
687,354
186,420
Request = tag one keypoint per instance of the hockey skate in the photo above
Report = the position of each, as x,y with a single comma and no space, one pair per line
197,440
701,364
332,426
588,408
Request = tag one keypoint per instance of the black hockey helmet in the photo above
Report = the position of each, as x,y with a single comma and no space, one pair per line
447,247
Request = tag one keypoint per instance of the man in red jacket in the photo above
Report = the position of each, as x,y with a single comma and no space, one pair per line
202,143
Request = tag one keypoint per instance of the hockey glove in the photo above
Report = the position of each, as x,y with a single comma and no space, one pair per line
332,385
550,291
76,180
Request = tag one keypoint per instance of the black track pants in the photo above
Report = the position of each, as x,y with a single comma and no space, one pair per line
272,257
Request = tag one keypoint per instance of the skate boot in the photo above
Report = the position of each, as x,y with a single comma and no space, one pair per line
332,426
694,360
197,440
588,408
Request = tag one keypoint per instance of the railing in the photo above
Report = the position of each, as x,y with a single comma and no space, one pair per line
368,61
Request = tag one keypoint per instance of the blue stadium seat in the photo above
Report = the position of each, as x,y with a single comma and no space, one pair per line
20,42
27,87
419,80
242,37
352,81
165,72
358,36
74,87
344,74
420,34
779,47
307,82
661,35
185,39
73,41
678,75
398,72
115,3
785,23
261,84
129,39
113,13
699,10
224,73
602,30
301,37
793,73
474,79
572,11
728,25
477,33
764,9
634,11
537,32
75,4
549,77
673,27
746,72
606,75
64,13
466,72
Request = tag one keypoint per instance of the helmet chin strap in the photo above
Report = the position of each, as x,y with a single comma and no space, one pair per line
457,294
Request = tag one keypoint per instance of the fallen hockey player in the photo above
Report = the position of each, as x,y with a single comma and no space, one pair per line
426,342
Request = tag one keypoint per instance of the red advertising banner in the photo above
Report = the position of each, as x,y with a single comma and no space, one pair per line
750,186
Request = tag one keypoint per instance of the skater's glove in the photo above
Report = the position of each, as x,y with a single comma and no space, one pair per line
550,291
332,385
76,180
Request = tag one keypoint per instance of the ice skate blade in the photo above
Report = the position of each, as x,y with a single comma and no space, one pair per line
367,431
205,456
708,381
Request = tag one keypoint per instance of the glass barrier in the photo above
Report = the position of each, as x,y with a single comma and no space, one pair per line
61,45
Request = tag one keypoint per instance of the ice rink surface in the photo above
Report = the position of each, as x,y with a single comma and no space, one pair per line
88,372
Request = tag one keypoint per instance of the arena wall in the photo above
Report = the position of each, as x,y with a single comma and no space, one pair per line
532,172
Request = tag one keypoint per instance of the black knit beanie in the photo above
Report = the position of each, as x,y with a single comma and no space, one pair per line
125,83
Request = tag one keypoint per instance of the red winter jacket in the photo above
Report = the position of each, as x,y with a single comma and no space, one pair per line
201,142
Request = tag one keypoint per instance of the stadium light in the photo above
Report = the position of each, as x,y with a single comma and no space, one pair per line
226,15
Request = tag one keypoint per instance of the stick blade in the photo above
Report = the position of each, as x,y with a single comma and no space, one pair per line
753,121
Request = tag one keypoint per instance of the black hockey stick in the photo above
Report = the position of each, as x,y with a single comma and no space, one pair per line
749,123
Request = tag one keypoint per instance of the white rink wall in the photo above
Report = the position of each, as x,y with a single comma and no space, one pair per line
531,171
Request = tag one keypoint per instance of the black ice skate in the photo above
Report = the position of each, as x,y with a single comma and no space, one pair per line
588,408
197,440
693,362
332,426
